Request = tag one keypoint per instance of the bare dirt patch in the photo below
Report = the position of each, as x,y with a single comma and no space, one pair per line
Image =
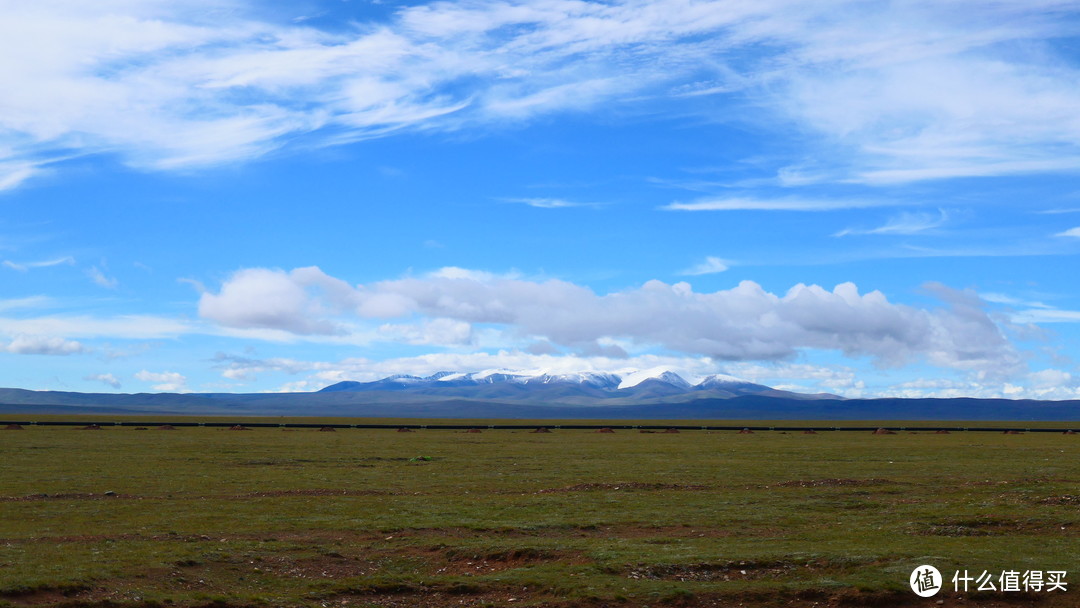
462,562
633,485
331,566
710,572
1064,499
993,526
314,492
833,483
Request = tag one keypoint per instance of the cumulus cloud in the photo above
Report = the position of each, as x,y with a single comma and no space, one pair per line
297,301
43,345
168,382
742,323
981,92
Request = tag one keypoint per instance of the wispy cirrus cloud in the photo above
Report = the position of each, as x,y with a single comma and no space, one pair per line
1073,232
26,266
882,97
906,223
549,203
711,265
770,204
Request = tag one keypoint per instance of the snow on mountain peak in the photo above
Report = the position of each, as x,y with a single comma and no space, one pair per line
720,379
662,374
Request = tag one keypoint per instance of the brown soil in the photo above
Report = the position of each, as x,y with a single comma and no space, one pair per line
13,427
463,562
1066,499
327,429
884,432
542,429
1069,432
809,432
672,431
404,430
91,427
992,526
64,496
832,483
741,570
319,567
746,432
314,492
474,431
238,427
635,485
166,427
942,432
1013,433
606,429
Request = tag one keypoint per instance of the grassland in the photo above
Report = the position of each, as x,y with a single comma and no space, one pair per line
271,517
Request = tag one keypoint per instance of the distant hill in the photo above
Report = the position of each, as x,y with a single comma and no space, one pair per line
650,394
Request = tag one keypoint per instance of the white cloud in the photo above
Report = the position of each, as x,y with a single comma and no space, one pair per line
99,278
741,323
906,223
42,345
764,204
1047,315
168,382
1073,232
133,327
894,92
29,302
548,203
25,266
106,379
1044,384
271,299
442,332
13,174
711,265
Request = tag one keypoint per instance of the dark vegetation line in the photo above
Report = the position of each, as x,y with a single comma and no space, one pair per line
644,427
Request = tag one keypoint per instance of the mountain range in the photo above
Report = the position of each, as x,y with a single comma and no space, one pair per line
656,394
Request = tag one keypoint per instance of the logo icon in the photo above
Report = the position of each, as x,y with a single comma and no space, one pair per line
925,581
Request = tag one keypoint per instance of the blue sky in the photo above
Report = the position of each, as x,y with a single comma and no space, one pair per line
863,198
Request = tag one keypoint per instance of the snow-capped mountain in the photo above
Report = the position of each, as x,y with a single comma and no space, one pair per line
654,384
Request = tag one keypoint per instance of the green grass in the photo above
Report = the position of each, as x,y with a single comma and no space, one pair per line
372,517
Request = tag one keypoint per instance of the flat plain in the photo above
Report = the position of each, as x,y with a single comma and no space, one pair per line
363,517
